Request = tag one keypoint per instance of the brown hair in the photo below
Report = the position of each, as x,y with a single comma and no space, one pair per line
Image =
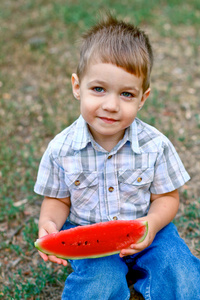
119,43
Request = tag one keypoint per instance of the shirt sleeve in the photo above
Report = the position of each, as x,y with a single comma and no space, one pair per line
51,178
170,173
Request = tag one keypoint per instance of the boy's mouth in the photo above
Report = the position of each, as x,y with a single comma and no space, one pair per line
108,120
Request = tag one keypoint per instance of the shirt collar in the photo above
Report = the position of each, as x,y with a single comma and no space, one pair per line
133,137
82,136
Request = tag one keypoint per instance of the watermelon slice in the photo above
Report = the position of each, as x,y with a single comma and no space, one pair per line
92,241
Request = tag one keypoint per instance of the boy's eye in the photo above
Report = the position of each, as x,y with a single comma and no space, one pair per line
127,94
98,89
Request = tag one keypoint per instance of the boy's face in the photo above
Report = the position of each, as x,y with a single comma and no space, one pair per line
110,99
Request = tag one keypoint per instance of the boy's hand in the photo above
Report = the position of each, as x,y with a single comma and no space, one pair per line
48,228
161,212
135,248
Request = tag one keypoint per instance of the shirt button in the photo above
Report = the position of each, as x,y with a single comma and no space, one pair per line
111,189
77,182
110,156
115,218
139,179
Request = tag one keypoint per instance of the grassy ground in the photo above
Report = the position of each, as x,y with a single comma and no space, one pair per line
39,51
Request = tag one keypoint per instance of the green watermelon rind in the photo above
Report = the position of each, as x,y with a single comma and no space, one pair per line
36,244
146,232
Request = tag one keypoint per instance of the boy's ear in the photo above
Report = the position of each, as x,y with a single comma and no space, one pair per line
75,86
144,98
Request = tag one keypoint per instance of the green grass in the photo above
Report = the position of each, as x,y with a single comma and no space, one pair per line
189,222
22,288
77,12
39,51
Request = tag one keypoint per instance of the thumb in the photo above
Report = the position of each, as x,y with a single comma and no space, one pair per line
47,228
51,227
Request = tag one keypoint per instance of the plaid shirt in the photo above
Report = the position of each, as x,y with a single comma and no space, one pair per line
106,185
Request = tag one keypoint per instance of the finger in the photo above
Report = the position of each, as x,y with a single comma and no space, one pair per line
57,260
64,262
54,259
125,252
138,246
43,256
134,248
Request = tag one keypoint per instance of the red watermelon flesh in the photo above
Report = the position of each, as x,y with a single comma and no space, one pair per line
91,241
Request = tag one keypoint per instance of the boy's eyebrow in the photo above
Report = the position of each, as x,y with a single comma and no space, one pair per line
96,81
132,88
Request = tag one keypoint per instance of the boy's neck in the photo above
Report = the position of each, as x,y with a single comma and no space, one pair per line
108,142
108,145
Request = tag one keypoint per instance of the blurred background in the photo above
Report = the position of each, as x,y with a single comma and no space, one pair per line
39,49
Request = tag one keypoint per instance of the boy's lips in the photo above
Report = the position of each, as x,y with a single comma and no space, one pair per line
108,120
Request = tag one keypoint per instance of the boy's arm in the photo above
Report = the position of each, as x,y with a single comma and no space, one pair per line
162,211
53,215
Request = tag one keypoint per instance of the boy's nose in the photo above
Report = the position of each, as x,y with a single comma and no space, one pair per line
111,103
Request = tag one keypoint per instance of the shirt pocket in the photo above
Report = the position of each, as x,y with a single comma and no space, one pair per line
83,188
134,185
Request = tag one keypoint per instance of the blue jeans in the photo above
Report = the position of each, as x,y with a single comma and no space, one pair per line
166,270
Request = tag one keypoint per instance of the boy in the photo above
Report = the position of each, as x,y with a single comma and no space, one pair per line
109,165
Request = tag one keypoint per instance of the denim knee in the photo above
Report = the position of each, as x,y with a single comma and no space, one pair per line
167,267
100,279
